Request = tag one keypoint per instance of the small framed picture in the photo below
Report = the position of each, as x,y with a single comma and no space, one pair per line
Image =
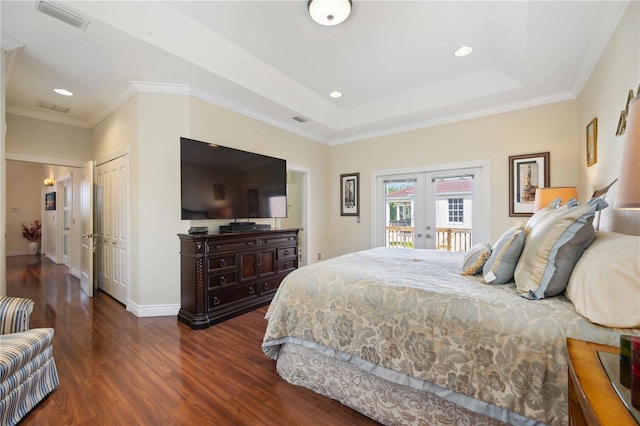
526,174
350,194
592,142
50,201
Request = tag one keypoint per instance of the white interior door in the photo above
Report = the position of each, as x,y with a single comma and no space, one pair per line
111,230
86,229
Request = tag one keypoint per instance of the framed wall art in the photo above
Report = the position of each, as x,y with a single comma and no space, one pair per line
526,174
592,142
50,201
350,194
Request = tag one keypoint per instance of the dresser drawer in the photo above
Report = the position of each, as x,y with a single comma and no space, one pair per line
221,262
221,298
269,286
286,252
287,265
279,240
218,246
219,280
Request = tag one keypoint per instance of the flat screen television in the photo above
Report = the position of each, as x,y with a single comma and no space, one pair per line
218,182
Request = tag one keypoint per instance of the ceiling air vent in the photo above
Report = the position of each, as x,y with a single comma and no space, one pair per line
299,119
52,107
63,13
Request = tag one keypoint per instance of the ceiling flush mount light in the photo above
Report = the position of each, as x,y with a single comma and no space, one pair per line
463,51
329,12
335,94
64,92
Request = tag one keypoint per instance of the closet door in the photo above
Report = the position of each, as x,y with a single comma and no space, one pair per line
112,182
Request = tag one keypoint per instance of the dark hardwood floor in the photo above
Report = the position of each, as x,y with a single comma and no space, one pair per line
117,369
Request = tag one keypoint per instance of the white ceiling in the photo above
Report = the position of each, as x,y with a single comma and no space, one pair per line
392,60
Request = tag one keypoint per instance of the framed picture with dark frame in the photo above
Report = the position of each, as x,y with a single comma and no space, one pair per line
592,142
526,174
50,201
350,194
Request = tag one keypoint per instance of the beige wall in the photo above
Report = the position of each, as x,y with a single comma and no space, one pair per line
494,138
44,139
24,198
604,96
156,198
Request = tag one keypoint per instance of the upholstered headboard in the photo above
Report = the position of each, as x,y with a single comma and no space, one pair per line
608,219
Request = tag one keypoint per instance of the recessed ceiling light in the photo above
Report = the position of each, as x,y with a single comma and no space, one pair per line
64,92
463,51
335,94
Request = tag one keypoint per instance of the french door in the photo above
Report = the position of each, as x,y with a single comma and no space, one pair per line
441,209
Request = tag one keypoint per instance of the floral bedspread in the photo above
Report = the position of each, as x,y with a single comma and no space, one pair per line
412,312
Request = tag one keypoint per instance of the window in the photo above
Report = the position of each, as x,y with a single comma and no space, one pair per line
456,210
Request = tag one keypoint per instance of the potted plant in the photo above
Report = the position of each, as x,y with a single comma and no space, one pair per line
32,234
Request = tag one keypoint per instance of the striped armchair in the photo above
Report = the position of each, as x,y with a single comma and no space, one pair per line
27,369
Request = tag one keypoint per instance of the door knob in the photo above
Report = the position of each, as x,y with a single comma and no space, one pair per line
428,235
419,235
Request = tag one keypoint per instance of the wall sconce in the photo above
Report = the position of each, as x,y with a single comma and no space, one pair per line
49,182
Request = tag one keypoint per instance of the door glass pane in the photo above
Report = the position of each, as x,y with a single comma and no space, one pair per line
453,212
400,209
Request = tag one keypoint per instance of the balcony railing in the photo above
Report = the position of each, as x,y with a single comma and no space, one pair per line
451,239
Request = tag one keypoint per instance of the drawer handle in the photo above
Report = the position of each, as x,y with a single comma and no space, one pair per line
223,263
286,265
216,301
286,252
217,247
223,280
252,290
266,286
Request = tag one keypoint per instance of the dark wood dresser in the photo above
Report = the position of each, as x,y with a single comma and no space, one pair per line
224,275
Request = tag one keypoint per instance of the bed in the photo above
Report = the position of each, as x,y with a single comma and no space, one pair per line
403,337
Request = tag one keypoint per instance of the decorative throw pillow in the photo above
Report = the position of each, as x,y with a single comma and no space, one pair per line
504,255
542,213
605,285
475,258
552,249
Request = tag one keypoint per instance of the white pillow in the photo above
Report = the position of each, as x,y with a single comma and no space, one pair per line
605,284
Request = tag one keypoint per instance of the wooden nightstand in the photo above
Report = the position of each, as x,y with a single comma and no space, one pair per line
592,398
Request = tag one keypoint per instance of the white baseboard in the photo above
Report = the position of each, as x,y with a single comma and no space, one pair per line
51,257
75,272
153,310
